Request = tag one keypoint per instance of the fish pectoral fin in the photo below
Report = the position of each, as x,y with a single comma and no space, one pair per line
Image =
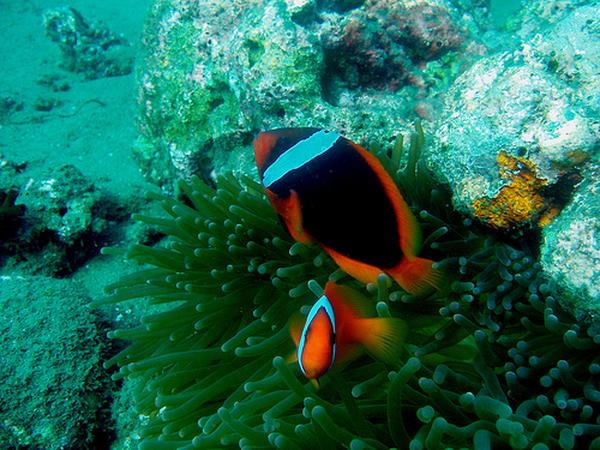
294,219
292,358
296,324
290,211
383,338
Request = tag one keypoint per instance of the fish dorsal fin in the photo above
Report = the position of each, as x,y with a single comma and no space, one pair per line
347,300
408,227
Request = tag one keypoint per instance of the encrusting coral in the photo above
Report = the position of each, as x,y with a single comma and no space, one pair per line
493,361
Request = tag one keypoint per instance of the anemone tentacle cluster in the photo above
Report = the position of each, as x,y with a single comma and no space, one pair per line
492,361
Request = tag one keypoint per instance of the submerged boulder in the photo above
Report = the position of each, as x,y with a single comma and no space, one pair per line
53,384
87,48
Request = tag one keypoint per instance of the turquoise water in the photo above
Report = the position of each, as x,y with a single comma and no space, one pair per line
101,102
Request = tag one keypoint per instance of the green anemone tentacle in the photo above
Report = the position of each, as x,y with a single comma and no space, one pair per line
492,361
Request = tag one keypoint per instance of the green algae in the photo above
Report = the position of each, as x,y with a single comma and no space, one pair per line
494,360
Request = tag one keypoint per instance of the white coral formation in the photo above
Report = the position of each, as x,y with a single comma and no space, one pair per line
576,257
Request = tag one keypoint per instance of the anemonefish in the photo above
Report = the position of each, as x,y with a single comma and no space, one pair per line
329,190
336,329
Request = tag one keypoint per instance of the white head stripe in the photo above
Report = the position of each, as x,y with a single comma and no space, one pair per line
298,155
324,303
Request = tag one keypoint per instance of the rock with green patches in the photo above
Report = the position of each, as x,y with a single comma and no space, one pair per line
52,389
570,253
214,76
209,75
548,11
65,222
63,202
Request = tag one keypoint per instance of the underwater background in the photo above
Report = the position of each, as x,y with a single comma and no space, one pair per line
146,283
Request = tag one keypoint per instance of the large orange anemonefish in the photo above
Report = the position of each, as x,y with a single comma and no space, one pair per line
329,190
337,327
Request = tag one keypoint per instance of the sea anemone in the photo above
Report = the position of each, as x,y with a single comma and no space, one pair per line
494,360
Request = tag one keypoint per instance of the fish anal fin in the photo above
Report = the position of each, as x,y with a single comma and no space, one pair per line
383,337
364,273
417,276
347,353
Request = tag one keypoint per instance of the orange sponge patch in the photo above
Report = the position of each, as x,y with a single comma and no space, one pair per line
520,201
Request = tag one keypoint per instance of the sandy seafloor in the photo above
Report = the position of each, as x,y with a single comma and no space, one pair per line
95,138
92,127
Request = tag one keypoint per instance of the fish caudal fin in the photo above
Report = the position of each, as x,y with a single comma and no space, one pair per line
417,276
383,338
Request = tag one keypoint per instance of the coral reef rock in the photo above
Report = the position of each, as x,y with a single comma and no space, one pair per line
537,105
571,253
213,76
52,380
89,49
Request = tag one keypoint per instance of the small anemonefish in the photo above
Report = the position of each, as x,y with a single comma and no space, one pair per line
329,190
337,327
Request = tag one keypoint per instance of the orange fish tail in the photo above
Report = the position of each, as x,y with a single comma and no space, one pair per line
383,338
417,276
